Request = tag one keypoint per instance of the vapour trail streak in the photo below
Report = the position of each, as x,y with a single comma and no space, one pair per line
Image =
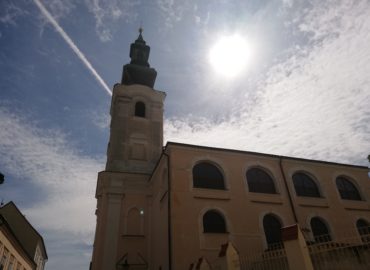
72,45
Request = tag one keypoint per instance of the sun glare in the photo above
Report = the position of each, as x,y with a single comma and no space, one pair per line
230,55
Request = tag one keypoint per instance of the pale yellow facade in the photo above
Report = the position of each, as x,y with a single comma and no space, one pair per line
162,237
12,255
243,210
122,190
150,213
30,240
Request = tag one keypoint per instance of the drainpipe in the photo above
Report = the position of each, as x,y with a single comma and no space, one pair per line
169,212
287,189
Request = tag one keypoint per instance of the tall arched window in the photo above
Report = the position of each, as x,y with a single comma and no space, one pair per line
363,227
259,181
272,228
206,175
213,222
347,189
140,109
305,186
319,230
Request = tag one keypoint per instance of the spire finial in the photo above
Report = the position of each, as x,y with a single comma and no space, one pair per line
141,27
140,37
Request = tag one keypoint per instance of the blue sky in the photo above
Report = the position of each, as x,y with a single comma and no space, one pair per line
305,92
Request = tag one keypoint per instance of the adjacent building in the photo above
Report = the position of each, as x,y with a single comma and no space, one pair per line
164,207
21,246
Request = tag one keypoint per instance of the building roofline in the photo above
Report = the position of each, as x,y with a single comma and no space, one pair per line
157,163
38,234
262,154
7,226
128,172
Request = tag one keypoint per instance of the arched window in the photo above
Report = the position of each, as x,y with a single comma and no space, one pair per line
363,227
206,175
347,190
259,181
213,222
319,230
272,228
305,186
140,109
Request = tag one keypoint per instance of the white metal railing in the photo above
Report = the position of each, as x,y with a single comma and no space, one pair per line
274,258
347,251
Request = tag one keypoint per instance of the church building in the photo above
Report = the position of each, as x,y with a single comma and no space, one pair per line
164,207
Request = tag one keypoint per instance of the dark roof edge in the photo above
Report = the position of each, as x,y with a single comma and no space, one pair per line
157,164
4,221
42,239
263,154
145,173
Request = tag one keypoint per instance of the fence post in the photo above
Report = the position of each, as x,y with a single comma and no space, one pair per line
202,264
296,249
229,257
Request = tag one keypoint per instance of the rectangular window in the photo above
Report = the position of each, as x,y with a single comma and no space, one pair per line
11,263
1,249
4,259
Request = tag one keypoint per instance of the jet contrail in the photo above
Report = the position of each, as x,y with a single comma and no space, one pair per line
71,44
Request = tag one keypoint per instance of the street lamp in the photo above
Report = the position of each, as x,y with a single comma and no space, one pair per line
1,178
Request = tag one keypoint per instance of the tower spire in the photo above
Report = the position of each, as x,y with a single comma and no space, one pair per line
140,37
139,71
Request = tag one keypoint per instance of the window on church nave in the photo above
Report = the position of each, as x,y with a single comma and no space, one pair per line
320,230
260,181
140,109
363,228
207,175
272,228
213,222
304,185
347,189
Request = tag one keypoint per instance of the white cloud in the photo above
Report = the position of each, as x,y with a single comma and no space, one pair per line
109,11
101,120
52,166
9,13
72,45
313,105
106,13
288,3
174,10
59,8
328,19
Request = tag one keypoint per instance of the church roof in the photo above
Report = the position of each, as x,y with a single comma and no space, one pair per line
169,144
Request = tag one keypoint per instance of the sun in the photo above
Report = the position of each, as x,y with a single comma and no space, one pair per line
230,55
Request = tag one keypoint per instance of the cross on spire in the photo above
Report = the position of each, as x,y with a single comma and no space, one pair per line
141,28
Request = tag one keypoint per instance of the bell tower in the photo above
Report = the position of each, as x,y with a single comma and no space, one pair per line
135,145
136,136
